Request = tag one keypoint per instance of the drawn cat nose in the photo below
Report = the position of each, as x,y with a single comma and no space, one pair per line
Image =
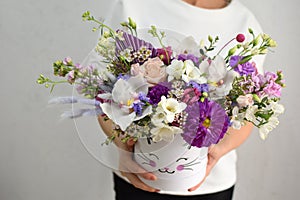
167,168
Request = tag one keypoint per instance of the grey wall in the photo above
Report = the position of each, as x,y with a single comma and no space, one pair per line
42,157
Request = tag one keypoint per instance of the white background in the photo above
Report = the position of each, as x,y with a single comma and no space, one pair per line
42,158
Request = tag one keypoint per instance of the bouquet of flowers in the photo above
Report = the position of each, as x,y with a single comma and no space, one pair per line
160,92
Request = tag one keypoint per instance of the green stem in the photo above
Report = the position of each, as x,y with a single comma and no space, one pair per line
104,26
225,46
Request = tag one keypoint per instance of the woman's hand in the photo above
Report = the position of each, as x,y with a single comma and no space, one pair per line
127,166
131,170
231,140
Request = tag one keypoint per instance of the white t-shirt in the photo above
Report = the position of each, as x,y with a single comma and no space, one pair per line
189,20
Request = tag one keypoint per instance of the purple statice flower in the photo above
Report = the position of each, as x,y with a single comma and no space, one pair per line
191,57
138,108
123,76
143,97
199,87
206,123
156,92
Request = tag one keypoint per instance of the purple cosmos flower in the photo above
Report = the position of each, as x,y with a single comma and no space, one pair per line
206,124
191,57
155,93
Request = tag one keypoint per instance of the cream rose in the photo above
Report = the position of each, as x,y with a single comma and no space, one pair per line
153,71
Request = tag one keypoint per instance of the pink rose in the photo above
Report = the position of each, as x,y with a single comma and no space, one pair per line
153,71
136,69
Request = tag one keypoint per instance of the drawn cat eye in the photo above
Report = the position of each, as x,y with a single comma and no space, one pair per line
181,159
186,165
147,160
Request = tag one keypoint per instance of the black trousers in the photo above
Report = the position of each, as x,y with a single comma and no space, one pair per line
126,191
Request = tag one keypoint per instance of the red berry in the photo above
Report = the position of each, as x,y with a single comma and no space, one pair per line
240,38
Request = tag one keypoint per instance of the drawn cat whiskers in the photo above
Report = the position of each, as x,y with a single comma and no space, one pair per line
147,160
184,166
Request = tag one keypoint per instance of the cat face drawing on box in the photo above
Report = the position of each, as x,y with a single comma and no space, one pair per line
186,162
171,160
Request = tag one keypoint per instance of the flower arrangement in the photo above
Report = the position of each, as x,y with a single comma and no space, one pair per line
157,92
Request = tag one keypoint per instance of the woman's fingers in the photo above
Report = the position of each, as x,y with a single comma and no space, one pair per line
136,182
128,165
196,186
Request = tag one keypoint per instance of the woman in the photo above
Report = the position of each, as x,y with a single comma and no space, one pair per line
198,18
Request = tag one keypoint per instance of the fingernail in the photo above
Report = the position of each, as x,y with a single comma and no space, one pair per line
153,178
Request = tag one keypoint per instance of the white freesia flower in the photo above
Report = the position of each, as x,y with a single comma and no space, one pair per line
276,107
175,70
250,113
218,76
246,100
159,116
164,132
265,129
123,94
171,107
192,73
237,118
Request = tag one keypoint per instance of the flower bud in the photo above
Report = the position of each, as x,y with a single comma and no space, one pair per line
106,34
125,24
272,43
240,38
265,36
255,51
205,94
232,51
132,23
263,51
250,30
256,40
256,98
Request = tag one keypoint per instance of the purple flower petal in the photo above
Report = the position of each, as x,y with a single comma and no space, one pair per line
206,124
133,42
